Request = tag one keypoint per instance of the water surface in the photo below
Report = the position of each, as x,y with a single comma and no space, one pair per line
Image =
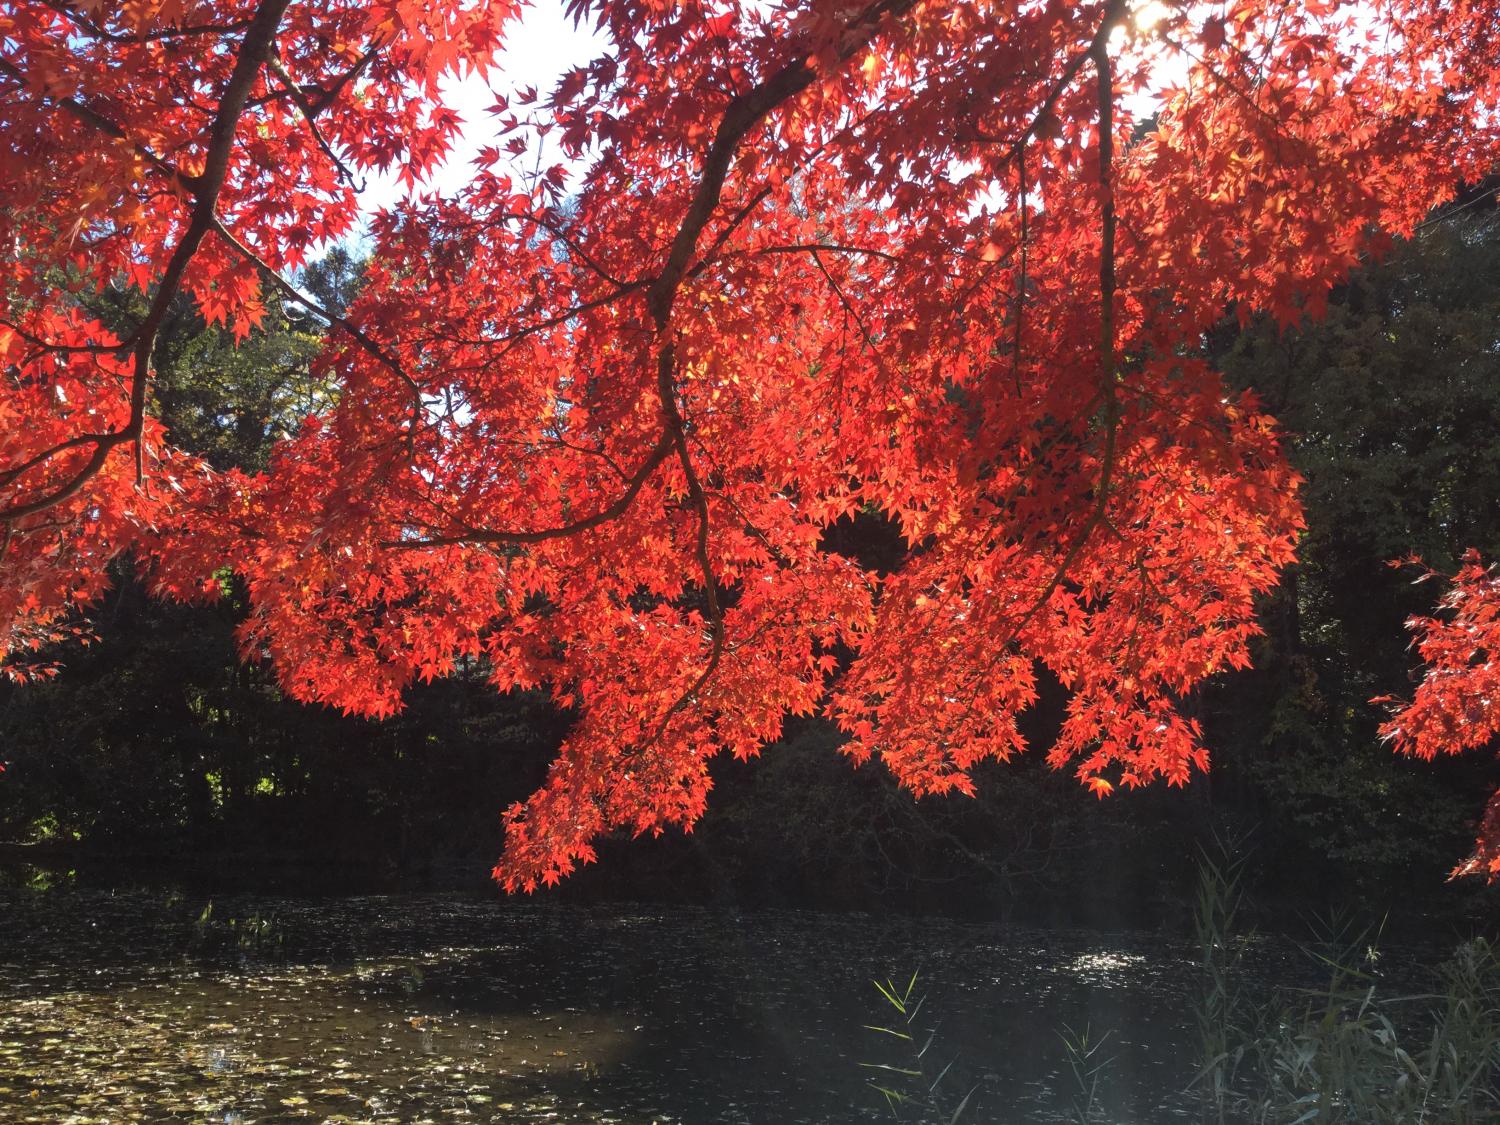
121,1007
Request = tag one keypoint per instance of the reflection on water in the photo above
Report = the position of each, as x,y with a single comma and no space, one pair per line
126,1007
1102,968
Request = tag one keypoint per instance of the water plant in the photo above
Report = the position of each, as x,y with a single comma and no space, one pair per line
1087,1063
909,1085
1343,1052
1218,1002
251,934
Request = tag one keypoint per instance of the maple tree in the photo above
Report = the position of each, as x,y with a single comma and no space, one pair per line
1457,705
591,422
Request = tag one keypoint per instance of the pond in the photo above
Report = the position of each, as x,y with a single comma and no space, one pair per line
139,1006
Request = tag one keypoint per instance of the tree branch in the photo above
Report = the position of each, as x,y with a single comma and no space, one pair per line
206,186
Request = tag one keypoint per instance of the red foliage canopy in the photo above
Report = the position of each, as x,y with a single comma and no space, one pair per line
909,256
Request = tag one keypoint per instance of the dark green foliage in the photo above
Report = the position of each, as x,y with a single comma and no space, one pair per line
1393,407
160,745
228,401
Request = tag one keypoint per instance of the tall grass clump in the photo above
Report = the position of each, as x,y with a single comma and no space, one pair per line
1087,1063
1346,1053
913,1086
1342,1052
1220,1012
